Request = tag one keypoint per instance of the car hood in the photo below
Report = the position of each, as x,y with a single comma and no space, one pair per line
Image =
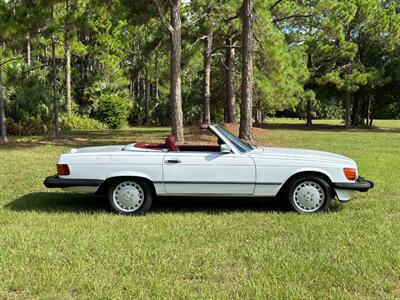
100,149
303,154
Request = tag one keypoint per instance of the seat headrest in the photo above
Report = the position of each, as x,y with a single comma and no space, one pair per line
170,143
204,126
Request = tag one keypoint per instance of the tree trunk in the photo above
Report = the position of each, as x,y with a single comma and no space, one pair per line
355,112
207,76
368,104
309,85
137,88
140,86
148,86
263,116
147,97
363,104
308,112
3,125
132,87
175,84
207,54
157,71
230,81
54,84
226,113
371,111
144,92
245,131
347,106
28,50
258,113
67,55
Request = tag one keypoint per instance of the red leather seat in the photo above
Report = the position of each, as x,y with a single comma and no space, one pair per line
170,143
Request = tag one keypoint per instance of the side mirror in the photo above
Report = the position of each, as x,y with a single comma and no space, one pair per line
225,149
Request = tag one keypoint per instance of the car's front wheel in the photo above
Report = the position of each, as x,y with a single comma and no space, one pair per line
130,196
308,194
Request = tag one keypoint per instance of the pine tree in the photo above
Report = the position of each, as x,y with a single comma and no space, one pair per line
245,130
174,28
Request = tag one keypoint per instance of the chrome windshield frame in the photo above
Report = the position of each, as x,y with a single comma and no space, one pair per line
221,131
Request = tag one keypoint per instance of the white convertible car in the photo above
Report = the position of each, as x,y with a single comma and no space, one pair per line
134,174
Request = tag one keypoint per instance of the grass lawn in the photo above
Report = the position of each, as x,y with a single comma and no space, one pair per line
379,124
58,245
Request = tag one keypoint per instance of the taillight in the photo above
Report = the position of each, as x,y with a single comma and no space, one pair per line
350,173
62,170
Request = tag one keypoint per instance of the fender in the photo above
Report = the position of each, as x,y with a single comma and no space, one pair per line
158,184
343,195
129,174
306,169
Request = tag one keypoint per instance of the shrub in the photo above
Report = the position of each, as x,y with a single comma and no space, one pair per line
70,122
28,126
113,110
29,106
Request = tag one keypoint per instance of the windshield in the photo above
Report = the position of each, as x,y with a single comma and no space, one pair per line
238,143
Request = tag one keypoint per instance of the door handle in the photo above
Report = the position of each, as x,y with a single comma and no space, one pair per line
174,161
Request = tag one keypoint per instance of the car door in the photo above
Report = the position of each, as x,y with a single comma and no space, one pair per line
208,173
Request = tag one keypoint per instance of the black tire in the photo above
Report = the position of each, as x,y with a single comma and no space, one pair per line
294,194
146,196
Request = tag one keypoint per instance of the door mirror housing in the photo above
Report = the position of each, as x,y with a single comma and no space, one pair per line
225,149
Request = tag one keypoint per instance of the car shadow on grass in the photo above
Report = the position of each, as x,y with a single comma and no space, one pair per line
214,205
90,203
59,203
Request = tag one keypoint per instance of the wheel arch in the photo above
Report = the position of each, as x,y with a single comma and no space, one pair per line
319,173
106,183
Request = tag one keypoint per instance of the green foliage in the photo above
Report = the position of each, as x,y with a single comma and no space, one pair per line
113,110
122,48
74,121
323,108
29,104
93,93
279,71
390,111
349,45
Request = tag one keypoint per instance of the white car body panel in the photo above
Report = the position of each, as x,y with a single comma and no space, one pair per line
205,173
115,164
277,165
260,172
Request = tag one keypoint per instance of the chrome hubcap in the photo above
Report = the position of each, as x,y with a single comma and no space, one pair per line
128,196
308,196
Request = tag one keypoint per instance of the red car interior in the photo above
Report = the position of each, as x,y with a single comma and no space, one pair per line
150,146
170,144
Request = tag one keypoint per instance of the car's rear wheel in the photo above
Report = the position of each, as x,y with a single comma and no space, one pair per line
130,196
308,194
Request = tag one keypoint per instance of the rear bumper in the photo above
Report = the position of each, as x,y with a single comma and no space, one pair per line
361,185
57,182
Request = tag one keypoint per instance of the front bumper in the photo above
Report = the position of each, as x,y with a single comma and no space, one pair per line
361,185
57,182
